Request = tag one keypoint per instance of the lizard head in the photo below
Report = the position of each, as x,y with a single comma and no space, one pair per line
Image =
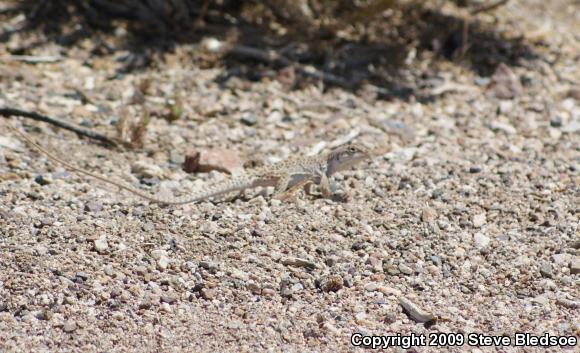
346,156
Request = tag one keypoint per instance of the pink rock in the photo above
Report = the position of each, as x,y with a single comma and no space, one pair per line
223,160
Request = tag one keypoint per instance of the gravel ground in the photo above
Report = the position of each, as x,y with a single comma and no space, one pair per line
473,214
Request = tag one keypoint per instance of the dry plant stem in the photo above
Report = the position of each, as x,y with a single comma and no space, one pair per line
465,38
198,23
272,57
30,59
485,8
8,112
467,21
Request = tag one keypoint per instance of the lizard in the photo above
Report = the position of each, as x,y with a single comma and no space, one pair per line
286,176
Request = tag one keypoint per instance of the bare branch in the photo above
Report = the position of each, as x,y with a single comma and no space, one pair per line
7,112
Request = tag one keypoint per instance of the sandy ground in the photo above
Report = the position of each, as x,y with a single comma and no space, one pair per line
473,215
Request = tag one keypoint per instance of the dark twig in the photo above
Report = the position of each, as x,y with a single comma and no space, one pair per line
272,57
464,38
485,8
198,23
7,112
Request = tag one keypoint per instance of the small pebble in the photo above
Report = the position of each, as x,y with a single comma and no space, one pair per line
331,261
437,193
436,260
360,316
208,293
268,292
391,269
572,127
254,288
241,275
556,121
504,127
208,266
481,240
157,254
163,263
43,180
479,220
47,221
45,314
406,270
69,326
298,262
168,298
249,119
175,157
546,270
415,312
140,270
428,215
285,288
93,206
371,287
101,245
575,265
297,287
165,307
40,250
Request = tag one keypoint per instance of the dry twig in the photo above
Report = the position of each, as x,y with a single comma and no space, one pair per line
8,112
30,59
485,8
272,57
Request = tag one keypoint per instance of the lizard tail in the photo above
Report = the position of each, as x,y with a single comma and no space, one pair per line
201,195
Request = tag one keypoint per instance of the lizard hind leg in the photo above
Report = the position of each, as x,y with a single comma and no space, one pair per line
308,189
291,193
328,194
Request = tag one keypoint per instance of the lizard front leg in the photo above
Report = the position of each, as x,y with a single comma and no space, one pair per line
327,193
325,187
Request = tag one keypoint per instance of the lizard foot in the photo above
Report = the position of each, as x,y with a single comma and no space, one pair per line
286,196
